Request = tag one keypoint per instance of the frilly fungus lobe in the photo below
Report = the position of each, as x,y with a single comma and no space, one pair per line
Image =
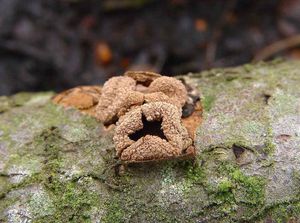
120,94
154,146
171,87
117,94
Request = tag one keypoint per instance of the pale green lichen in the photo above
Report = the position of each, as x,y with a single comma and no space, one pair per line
41,205
43,159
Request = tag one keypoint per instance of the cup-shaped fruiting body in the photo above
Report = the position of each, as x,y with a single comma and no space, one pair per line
152,131
120,94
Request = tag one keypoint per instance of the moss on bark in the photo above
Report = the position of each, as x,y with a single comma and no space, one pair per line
57,165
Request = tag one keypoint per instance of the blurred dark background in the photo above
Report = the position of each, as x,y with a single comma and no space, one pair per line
58,44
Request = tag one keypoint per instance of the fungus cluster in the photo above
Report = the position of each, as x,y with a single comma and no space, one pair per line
147,110
122,93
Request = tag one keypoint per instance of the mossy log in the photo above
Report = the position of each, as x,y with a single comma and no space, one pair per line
58,165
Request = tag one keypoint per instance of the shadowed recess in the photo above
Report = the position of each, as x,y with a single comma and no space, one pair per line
150,128
238,150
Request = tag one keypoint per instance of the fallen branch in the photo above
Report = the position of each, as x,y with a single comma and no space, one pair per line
276,47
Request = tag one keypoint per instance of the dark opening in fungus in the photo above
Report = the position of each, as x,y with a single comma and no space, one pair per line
159,136
149,128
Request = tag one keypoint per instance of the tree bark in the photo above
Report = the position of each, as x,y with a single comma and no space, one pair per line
58,165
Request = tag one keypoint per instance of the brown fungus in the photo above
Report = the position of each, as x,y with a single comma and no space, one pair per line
159,97
169,139
84,98
171,87
120,94
117,96
142,77
148,110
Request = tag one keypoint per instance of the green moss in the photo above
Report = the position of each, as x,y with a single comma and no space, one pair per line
249,67
50,142
89,121
34,178
114,212
285,212
269,147
21,98
162,214
251,188
16,100
69,197
135,204
5,104
296,176
72,201
207,102
225,186
195,173
215,189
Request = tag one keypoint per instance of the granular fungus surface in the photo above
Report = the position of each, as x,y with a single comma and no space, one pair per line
146,109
